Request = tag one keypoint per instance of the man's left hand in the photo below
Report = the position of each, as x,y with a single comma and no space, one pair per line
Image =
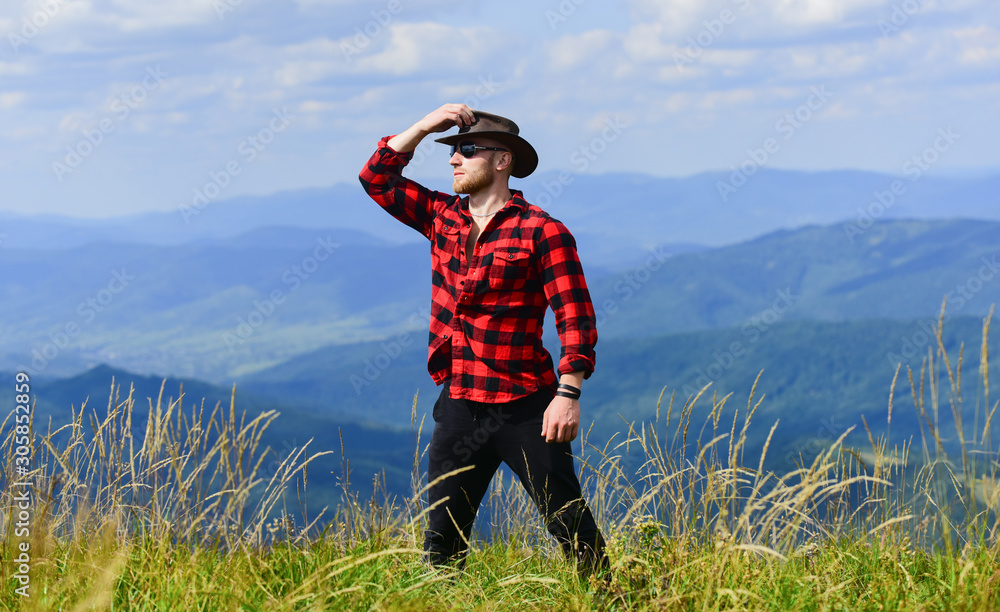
561,422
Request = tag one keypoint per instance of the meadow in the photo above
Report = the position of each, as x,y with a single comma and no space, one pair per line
192,514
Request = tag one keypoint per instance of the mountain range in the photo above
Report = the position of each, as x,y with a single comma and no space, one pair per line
315,303
225,309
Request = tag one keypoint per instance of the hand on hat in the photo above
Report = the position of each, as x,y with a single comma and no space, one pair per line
444,118
447,116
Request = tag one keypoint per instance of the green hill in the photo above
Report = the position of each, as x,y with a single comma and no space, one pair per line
819,378
893,270
220,310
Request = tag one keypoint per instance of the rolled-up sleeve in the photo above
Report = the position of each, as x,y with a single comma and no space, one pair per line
567,294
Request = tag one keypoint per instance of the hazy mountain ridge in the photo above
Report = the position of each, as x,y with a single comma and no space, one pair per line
220,310
653,210
818,378
371,448
895,269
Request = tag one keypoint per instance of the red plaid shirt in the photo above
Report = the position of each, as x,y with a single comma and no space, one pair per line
487,313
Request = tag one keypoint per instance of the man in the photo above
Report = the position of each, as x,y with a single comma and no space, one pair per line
497,263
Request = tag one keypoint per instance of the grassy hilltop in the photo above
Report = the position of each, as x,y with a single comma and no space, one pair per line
191,515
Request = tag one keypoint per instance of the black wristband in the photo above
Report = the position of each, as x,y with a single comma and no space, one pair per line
569,388
562,393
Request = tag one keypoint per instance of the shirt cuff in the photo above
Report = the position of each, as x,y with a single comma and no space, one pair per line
576,363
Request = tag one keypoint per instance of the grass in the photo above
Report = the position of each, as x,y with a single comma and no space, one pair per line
188,518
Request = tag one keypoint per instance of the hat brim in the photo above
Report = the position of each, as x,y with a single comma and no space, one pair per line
525,157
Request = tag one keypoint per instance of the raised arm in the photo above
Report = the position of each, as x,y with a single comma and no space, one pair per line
382,177
436,121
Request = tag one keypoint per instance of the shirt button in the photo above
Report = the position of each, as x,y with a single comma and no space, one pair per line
445,336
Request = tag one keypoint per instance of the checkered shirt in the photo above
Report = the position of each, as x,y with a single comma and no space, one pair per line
487,312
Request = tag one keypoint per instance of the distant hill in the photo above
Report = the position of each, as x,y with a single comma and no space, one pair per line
819,378
370,448
203,310
222,310
894,269
630,212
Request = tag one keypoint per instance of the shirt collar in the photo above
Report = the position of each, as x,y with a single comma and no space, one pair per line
516,201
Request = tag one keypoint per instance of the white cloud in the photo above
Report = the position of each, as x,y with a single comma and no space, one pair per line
12,68
675,16
978,46
571,52
310,61
134,15
416,47
398,49
817,12
722,100
644,43
75,121
124,15
225,76
312,3
11,99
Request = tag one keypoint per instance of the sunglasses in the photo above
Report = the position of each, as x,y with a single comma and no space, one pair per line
468,149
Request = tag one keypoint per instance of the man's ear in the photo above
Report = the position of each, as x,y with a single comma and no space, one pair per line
506,160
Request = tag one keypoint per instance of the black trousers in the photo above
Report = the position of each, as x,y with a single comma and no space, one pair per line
481,435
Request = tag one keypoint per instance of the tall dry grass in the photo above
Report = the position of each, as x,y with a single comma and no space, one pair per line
185,516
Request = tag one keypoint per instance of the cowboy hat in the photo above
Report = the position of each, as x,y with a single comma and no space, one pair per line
502,130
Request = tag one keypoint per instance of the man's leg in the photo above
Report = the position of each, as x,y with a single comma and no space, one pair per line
548,474
457,442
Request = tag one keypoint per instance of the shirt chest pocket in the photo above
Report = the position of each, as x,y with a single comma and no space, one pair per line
446,244
511,269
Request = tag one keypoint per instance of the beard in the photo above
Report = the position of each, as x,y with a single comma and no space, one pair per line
475,181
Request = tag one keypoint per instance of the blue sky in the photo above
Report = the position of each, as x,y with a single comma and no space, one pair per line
115,107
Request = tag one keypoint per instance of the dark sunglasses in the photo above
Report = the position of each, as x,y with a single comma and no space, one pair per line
468,149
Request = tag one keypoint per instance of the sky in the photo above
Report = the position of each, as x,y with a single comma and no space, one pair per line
117,107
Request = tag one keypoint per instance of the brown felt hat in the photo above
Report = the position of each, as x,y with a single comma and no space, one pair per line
502,130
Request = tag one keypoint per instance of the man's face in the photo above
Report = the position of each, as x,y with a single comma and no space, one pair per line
478,172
